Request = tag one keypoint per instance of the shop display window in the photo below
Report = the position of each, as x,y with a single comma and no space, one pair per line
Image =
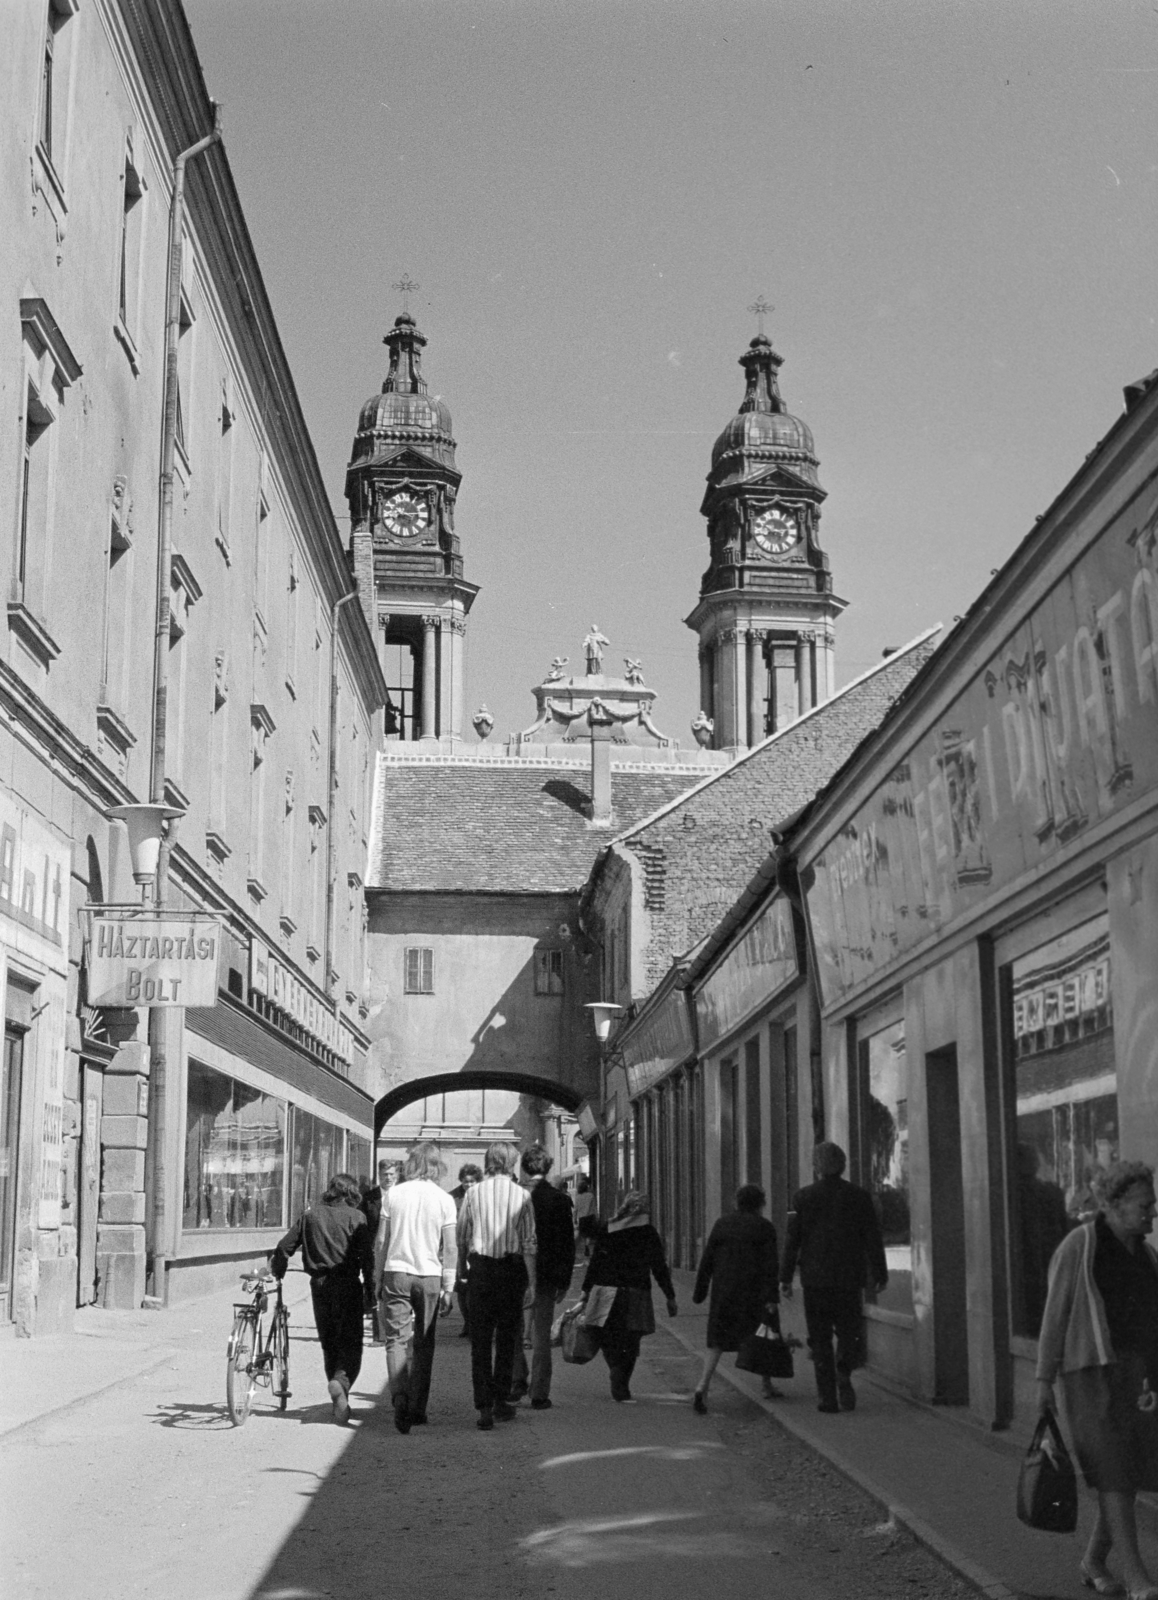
358,1156
1061,1037
883,1084
234,1154
318,1155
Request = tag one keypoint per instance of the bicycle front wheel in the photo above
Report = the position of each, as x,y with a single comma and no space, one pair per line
240,1381
279,1354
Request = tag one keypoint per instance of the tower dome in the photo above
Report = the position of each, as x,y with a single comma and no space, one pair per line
763,433
404,413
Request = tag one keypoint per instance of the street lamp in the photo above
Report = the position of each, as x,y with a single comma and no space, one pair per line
603,1014
146,828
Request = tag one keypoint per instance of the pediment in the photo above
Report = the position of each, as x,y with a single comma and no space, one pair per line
402,459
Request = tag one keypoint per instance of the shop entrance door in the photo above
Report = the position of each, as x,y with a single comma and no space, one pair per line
11,1074
947,1194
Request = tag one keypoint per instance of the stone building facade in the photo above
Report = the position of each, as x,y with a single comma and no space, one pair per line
264,731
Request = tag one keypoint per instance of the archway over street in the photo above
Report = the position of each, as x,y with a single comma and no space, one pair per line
405,1094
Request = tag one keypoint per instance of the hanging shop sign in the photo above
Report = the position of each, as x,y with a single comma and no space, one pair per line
272,978
1056,733
153,959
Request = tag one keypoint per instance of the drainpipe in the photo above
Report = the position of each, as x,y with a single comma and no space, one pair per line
328,942
158,1074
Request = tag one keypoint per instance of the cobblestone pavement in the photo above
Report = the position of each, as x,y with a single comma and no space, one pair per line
144,1489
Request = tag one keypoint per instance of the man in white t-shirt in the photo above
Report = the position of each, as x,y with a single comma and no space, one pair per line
414,1260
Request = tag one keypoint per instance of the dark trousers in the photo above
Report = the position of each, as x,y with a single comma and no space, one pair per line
497,1288
337,1301
829,1314
620,1346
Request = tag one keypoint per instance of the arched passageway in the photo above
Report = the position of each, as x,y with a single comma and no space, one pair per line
405,1094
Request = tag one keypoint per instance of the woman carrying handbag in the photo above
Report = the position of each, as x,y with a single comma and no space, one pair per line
1100,1332
740,1265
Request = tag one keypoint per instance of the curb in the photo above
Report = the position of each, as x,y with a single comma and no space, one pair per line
986,1582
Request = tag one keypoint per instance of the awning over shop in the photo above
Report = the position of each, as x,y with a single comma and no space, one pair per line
752,972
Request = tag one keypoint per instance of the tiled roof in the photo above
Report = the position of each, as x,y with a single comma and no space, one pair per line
517,828
697,853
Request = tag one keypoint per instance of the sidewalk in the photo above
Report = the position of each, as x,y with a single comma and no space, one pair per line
951,1484
106,1348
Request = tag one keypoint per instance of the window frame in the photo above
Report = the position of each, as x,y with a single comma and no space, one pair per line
418,976
549,980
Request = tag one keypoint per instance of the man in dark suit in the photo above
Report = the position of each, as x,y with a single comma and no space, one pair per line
834,1234
554,1264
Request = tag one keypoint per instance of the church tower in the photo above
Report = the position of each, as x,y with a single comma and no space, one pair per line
766,609
401,485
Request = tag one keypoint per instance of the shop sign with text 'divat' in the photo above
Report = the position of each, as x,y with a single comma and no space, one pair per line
136,960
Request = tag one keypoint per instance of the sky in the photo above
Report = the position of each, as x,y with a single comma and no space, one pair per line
952,206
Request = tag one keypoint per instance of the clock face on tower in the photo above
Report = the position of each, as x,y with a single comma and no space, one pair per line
776,531
405,517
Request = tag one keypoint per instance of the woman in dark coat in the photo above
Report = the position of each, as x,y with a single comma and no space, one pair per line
628,1253
740,1263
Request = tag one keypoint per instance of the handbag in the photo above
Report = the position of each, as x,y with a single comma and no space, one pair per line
1047,1486
579,1342
766,1352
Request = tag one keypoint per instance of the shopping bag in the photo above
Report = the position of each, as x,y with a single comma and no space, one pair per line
557,1325
580,1343
766,1352
1047,1487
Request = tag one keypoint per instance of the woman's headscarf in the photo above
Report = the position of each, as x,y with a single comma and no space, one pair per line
634,1204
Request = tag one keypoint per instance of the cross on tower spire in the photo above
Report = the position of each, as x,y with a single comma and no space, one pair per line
760,309
406,287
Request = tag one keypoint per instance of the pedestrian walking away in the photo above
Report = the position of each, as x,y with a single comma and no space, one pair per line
1100,1333
626,1255
585,1218
338,1254
834,1235
468,1176
739,1268
414,1255
554,1264
496,1234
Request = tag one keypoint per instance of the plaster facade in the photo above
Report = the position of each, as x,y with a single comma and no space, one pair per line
271,709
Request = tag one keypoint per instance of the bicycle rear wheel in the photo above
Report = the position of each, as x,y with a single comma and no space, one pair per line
279,1354
240,1381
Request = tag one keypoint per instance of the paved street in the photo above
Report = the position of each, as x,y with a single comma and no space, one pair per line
147,1477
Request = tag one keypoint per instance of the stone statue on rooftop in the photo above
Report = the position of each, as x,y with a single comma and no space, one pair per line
634,672
482,722
702,730
593,649
556,671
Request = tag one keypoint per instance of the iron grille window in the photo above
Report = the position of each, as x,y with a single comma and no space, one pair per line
548,972
419,970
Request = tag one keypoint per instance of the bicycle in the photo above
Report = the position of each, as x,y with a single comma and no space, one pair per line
257,1355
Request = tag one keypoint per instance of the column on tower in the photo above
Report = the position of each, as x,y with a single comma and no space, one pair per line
457,669
732,682
756,686
429,677
805,645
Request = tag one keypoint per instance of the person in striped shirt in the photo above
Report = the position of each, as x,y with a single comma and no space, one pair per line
496,1236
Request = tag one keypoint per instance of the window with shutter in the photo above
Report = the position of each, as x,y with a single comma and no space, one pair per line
419,977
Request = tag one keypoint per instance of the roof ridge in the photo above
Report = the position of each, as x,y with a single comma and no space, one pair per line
791,727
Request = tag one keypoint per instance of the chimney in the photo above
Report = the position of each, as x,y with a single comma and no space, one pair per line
600,765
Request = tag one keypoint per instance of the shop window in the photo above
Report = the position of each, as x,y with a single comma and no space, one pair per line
548,972
1060,1038
729,1133
358,1156
235,1146
318,1153
883,1126
11,1085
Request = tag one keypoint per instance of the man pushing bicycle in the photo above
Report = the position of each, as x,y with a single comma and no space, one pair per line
337,1250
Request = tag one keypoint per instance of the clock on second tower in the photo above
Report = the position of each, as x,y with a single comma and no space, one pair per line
406,517
776,531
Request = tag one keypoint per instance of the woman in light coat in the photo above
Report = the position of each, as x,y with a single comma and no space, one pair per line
1100,1333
